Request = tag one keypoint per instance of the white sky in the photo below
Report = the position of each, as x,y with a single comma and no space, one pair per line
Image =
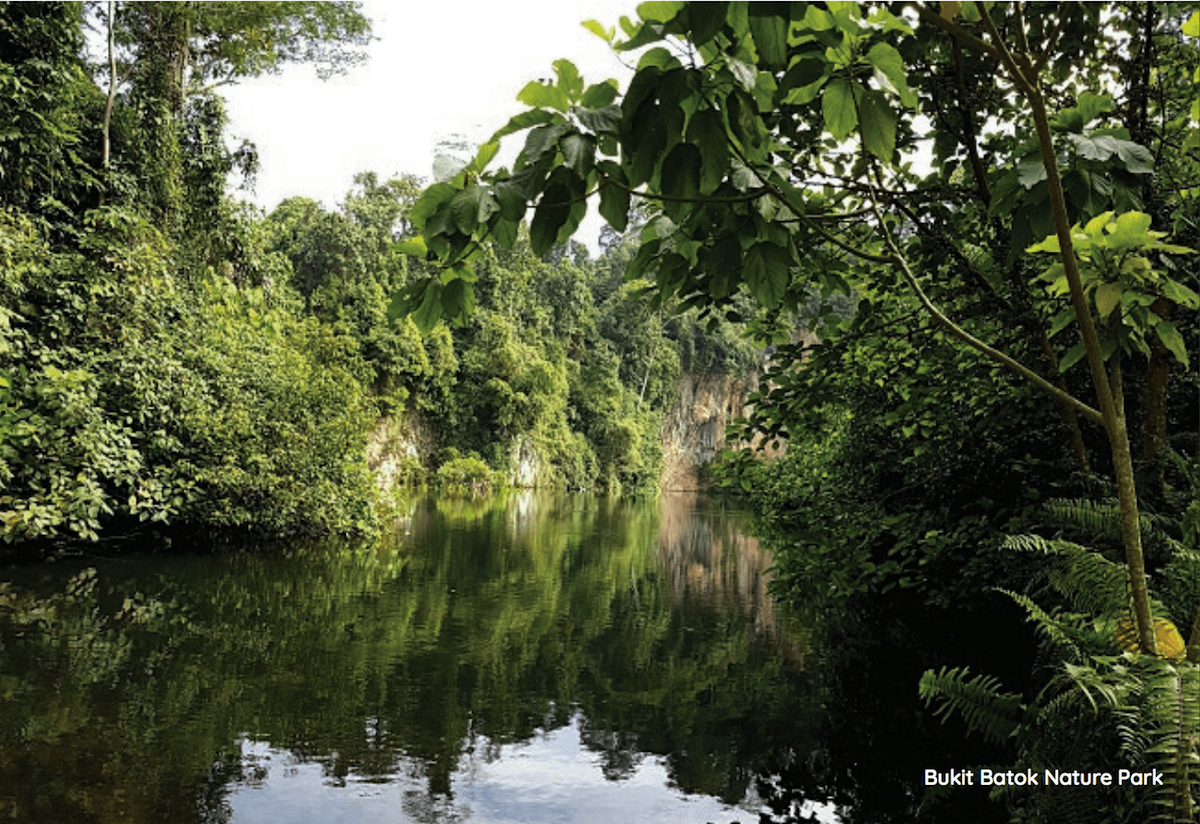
438,68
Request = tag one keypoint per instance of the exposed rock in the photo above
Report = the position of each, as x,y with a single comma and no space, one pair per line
694,427
524,463
394,443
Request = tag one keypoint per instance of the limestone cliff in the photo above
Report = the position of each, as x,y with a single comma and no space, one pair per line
694,427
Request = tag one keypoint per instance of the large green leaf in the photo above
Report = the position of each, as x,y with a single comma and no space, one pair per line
487,152
646,253
1180,294
595,28
1031,171
523,121
511,200
541,140
606,120
1075,354
890,73
1137,158
769,25
839,109
661,58
766,273
599,95
569,79
723,263
647,140
743,72
1108,297
430,311
1170,337
614,196
706,131
579,153
681,178
564,190
878,126
429,201
801,82
543,96
706,19
472,208
1130,231
659,12
743,119
413,247
458,301
504,231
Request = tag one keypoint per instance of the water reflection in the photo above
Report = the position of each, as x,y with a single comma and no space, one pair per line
539,658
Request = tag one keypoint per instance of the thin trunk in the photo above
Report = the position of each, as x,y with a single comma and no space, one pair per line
1114,422
1154,432
112,93
1065,410
653,353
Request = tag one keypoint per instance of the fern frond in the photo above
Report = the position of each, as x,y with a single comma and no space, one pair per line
1028,543
1102,519
1088,580
1190,526
1098,518
1062,637
1171,718
1179,584
994,714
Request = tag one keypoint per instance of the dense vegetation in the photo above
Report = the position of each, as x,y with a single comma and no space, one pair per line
172,358
1011,365
999,405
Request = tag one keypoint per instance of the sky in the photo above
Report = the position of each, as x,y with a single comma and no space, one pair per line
437,69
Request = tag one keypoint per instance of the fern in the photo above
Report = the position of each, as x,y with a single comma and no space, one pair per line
1090,582
1171,716
1102,519
1066,634
994,714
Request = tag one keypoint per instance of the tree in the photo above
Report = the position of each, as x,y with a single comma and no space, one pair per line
780,147
43,96
171,57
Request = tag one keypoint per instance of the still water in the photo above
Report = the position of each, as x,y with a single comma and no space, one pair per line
528,659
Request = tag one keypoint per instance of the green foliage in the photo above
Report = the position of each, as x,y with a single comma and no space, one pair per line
1142,709
1123,285
986,710
468,475
44,98
231,415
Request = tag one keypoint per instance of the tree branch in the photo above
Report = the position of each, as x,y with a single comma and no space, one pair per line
957,32
897,260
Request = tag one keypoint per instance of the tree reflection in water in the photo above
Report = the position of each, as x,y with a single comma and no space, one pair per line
147,690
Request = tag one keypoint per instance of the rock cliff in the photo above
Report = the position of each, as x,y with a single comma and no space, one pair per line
694,428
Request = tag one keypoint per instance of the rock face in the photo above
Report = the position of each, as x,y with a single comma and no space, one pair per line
395,445
524,463
693,434
694,428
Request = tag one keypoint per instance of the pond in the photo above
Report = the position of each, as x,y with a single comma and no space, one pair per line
535,658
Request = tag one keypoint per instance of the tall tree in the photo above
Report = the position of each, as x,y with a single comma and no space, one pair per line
171,57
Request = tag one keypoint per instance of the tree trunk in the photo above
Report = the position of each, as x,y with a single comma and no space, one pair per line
1154,431
1111,406
112,93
